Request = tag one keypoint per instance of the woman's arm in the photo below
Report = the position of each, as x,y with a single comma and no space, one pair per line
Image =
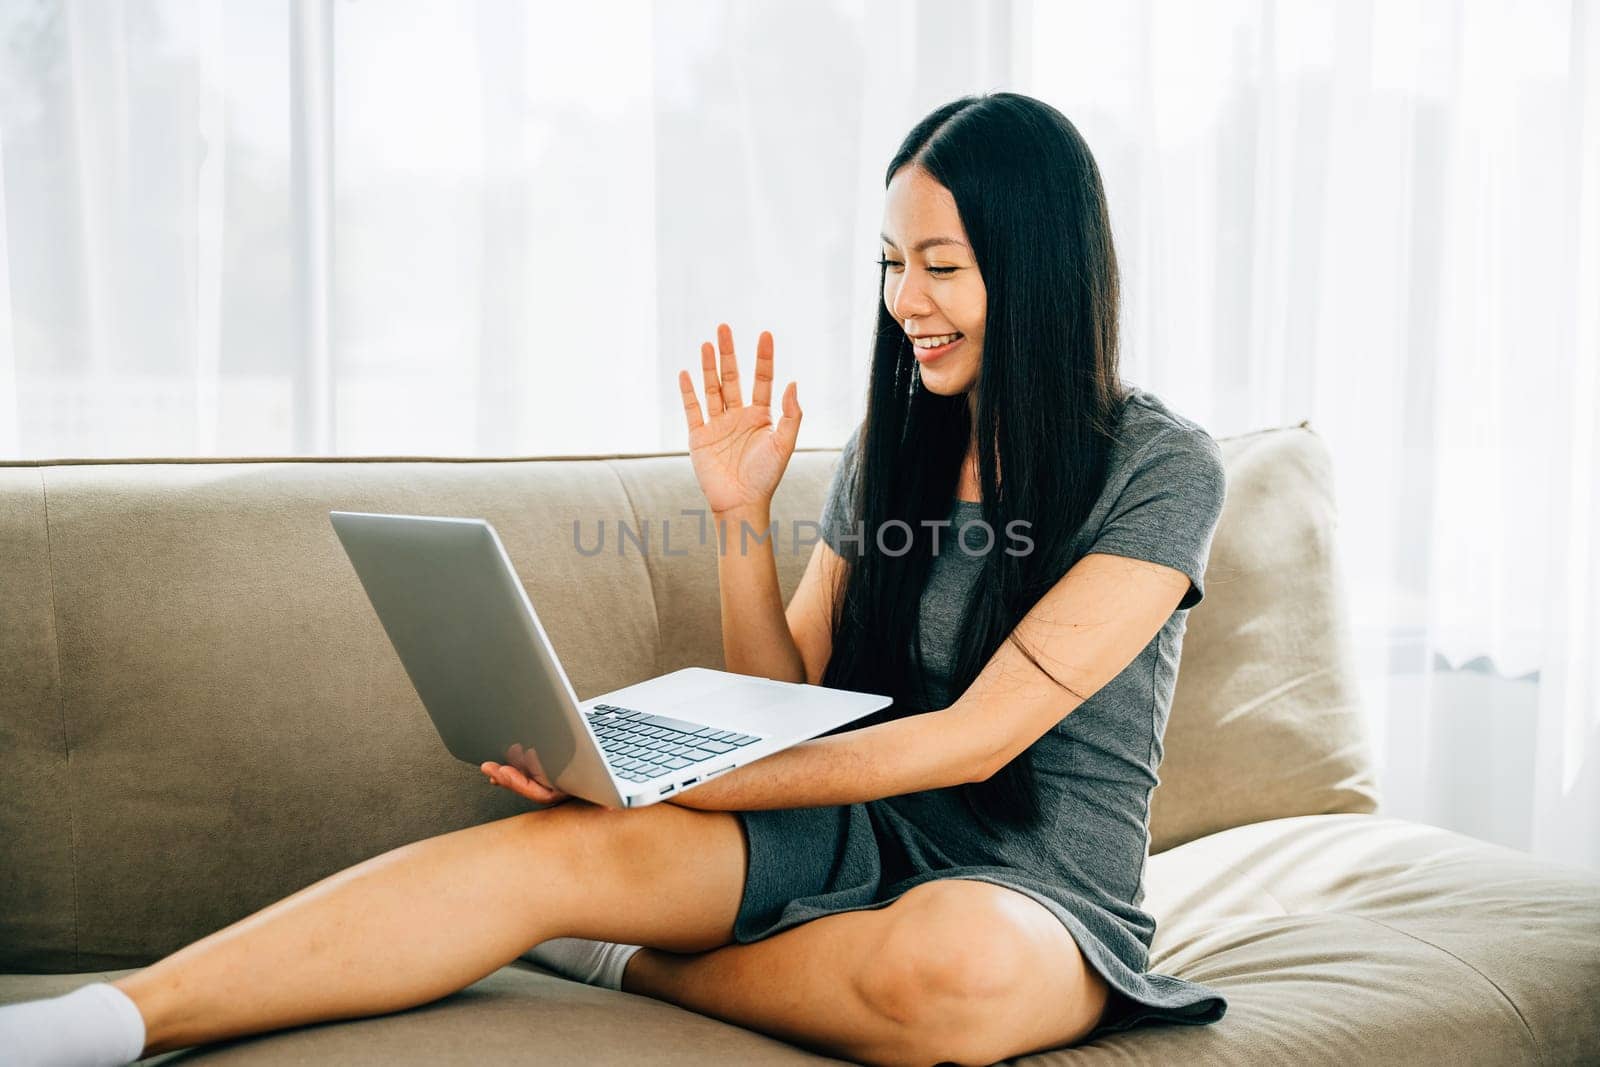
927,751
756,639
1085,630
762,638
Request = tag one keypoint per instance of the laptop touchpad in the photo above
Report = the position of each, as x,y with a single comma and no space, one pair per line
758,709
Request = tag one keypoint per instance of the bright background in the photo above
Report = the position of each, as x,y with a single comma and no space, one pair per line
499,228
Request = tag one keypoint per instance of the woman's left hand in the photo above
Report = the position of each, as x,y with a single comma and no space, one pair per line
535,789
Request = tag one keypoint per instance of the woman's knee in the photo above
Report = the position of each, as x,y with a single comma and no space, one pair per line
626,839
950,948
678,872
573,831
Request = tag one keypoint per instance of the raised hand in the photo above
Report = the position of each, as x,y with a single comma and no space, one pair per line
739,455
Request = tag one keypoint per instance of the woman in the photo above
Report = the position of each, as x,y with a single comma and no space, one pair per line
1012,541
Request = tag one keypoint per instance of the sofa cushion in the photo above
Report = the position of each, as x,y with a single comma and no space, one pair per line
520,1014
191,641
1344,939
200,653
36,845
1266,719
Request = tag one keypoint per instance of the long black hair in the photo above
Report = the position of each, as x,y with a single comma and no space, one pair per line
1048,401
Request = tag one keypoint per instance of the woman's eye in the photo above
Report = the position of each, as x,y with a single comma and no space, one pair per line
931,270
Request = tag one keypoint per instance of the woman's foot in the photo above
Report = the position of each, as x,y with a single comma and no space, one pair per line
93,1026
597,963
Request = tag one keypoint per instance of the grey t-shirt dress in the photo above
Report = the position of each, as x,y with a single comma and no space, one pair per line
1085,862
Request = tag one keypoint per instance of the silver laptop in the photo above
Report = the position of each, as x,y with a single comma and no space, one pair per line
467,634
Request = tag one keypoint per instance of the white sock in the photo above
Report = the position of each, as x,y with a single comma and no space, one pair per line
92,1026
598,963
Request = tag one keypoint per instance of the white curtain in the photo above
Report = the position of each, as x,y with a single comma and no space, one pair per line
1385,218
300,227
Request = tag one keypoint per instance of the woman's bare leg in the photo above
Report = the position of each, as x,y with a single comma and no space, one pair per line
430,918
803,985
953,971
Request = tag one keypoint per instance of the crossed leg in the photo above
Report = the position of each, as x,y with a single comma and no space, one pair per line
954,970
430,918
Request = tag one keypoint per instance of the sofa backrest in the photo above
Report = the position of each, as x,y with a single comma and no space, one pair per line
200,713
1266,717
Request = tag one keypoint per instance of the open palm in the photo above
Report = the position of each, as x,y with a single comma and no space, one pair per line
739,454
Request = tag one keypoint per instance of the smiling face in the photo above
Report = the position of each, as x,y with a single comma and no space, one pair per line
931,283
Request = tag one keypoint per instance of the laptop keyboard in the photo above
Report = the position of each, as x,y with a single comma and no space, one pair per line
640,747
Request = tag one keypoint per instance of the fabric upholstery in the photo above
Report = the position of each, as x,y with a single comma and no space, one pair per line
1345,939
36,825
521,1014
1266,719
195,637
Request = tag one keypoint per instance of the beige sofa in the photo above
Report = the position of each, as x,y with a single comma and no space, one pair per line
200,714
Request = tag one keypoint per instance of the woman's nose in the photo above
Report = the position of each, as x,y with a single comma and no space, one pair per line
910,301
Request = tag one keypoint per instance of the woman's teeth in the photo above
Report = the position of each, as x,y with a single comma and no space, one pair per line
934,342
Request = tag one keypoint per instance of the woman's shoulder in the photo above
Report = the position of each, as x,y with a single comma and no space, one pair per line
1150,426
1147,414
